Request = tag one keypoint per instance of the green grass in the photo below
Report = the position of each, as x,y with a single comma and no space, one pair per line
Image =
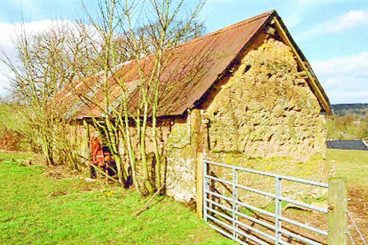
352,165
16,157
37,209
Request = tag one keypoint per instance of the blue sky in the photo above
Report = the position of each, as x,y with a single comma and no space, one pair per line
331,33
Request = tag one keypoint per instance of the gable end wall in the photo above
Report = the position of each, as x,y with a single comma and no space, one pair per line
266,108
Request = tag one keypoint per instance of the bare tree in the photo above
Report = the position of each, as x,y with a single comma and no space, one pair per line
113,66
44,64
138,33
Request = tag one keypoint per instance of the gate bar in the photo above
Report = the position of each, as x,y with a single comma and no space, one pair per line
240,232
243,204
257,231
302,204
269,226
262,223
311,228
300,238
252,171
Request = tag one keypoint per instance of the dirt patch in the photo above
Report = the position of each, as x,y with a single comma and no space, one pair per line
11,140
58,193
358,212
311,218
358,216
55,174
60,172
86,189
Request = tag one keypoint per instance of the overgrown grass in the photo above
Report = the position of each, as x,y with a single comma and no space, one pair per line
38,209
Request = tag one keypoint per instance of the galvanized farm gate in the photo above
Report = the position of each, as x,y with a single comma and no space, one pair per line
225,213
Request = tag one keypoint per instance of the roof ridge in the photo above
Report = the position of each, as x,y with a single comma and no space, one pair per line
228,28
217,32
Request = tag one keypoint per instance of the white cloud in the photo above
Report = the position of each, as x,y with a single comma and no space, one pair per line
296,11
315,3
209,2
9,31
344,65
348,21
344,78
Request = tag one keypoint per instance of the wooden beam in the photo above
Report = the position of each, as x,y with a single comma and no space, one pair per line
313,82
270,30
197,147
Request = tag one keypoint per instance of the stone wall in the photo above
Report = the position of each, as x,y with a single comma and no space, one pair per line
183,154
179,137
266,108
263,116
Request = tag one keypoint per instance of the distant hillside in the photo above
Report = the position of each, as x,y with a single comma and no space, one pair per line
352,109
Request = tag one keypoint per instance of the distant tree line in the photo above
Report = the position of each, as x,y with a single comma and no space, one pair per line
360,109
347,127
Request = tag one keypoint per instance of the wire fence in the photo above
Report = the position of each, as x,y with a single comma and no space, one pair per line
356,228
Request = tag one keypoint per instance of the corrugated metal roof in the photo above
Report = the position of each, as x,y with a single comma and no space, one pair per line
190,70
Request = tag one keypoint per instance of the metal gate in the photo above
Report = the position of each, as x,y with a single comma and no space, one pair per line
225,213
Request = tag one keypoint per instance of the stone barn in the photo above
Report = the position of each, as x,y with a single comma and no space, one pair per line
255,102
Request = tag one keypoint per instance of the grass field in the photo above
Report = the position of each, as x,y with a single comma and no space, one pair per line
353,165
42,207
38,209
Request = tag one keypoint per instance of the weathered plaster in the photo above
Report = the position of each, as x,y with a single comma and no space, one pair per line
267,109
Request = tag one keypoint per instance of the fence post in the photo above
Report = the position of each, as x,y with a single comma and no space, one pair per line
337,211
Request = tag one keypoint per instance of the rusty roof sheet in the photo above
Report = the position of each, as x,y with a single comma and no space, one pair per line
190,70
